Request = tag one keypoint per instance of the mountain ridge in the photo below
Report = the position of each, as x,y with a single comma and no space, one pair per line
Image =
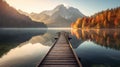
60,16
10,17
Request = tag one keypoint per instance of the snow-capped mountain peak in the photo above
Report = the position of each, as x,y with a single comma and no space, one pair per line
65,12
60,16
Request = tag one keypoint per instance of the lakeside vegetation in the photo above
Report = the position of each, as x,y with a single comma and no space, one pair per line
109,18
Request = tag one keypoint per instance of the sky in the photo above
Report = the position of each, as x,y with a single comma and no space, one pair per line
87,7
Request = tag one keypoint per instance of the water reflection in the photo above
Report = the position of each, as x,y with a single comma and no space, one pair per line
11,38
104,37
47,39
93,55
25,48
97,47
27,55
22,47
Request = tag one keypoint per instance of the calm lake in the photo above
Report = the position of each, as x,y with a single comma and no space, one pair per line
26,47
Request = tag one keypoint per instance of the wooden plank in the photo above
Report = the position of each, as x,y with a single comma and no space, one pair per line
62,51
59,66
60,60
60,55
56,63
47,58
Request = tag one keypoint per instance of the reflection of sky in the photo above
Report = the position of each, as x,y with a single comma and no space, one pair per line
26,55
87,7
92,52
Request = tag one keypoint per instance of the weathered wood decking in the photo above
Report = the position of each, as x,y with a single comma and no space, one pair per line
61,54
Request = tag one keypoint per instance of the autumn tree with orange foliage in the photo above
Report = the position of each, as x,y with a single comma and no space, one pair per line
105,19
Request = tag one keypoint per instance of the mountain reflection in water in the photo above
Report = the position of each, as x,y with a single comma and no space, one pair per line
26,47
23,47
97,47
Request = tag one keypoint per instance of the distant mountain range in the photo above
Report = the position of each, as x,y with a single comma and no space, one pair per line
10,17
60,16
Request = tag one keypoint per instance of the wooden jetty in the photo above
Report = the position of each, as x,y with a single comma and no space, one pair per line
61,54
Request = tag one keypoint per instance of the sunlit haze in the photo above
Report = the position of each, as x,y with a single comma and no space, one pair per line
87,7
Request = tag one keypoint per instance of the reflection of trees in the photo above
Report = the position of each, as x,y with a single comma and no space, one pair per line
107,38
